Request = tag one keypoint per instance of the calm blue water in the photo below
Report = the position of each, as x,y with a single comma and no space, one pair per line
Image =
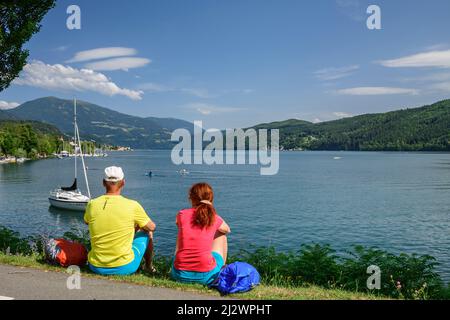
396,201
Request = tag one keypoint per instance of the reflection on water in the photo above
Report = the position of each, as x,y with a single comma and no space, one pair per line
14,173
63,218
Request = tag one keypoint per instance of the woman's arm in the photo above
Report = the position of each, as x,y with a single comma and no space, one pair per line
176,245
224,228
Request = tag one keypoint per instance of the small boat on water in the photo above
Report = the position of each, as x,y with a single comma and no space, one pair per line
11,160
71,198
149,174
183,172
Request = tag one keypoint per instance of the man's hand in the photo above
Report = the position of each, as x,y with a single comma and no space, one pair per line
149,227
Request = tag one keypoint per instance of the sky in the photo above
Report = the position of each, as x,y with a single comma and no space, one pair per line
237,63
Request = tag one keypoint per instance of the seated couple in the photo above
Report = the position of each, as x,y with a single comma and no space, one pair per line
122,234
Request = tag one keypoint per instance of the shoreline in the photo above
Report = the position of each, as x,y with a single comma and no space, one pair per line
403,276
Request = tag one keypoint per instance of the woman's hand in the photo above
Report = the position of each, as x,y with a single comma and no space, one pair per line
224,228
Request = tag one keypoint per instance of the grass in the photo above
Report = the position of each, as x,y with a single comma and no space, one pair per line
314,271
263,292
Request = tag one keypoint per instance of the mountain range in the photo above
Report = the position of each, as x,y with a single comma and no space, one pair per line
100,124
6,116
418,129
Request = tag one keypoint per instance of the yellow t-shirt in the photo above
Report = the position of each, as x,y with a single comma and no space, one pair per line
112,220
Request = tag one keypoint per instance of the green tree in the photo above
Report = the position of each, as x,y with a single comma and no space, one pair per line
7,143
19,20
45,145
20,153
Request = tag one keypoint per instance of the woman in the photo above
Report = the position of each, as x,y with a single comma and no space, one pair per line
202,246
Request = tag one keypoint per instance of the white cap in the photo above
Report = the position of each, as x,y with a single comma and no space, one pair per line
114,174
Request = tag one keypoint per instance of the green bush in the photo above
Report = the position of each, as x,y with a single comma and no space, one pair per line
10,242
162,264
81,236
402,276
20,153
316,264
33,154
274,267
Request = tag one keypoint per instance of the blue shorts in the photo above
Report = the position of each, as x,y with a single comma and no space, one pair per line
205,278
140,244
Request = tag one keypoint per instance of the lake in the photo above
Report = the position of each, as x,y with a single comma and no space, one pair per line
395,201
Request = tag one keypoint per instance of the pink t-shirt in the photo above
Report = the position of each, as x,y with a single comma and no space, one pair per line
194,243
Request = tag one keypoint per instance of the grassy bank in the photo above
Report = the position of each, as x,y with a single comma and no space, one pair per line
313,272
263,292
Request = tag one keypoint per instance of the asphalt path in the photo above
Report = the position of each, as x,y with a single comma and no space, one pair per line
18,283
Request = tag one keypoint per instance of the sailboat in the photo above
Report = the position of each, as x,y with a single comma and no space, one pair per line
71,198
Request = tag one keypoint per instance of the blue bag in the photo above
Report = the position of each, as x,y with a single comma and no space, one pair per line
237,277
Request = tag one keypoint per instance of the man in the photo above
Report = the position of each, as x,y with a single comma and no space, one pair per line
113,219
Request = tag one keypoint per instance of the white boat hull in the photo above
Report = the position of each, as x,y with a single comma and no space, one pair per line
68,205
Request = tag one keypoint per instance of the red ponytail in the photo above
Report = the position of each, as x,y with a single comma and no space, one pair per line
202,196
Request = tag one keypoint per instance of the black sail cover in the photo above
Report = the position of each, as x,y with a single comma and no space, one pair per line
72,188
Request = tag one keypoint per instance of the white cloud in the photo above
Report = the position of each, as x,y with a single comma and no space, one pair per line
60,77
125,64
433,77
317,117
438,46
61,48
202,93
155,87
4,105
329,74
102,53
340,114
432,83
110,59
159,88
373,91
443,87
209,109
436,59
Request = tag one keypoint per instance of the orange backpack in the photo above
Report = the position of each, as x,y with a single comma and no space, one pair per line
65,252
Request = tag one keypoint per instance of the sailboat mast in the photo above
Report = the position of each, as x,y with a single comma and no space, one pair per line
75,134
78,143
84,165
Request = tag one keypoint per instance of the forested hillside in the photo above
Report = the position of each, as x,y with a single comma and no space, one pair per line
420,129
28,139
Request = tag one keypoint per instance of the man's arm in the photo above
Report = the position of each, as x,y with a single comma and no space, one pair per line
149,227
142,217
87,213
